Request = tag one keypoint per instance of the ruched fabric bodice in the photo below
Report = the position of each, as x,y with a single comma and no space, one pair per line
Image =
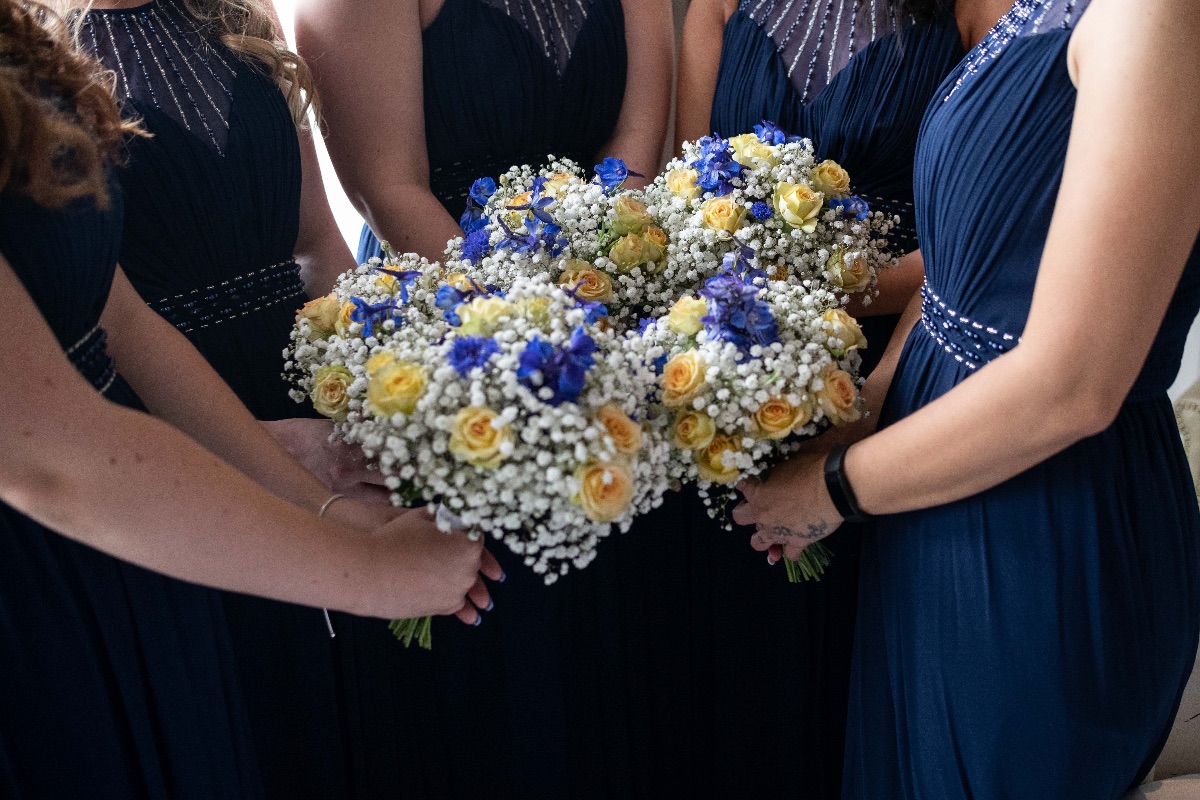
118,680
213,195
510,82
1032,640
865,117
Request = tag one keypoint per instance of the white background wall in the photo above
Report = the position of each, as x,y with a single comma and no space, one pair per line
351,223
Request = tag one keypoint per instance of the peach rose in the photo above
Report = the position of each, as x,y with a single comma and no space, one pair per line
839,397
626,434
711,463
476,439
682,378
605,490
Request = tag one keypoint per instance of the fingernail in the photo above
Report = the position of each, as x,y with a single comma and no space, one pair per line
478,620
771,561
491,604
503,576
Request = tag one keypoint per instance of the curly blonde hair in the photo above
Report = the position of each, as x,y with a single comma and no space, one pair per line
59,125
249,28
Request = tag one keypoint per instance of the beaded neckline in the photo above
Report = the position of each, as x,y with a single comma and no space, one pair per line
553,24
816,38
1025,18
162,61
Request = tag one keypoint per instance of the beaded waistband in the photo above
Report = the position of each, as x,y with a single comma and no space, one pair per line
903,237
90,356
972,343
237,297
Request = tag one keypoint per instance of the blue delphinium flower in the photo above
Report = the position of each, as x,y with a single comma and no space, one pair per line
593,311
404,277
644,325
563,370
852,206
471,352
482,190
716,166
761,211
472,218
740,262
736,314
369,315
477,245
538,202
612,172
535,235
770,133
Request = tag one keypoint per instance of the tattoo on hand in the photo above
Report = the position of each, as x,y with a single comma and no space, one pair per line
815,531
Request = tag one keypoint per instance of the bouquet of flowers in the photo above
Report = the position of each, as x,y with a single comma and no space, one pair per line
765,191
594,238
515,410
749,369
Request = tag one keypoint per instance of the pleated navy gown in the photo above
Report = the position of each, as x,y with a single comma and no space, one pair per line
837,72
212,214
1031,641
118,682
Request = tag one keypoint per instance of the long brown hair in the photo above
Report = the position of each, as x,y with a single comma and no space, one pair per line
59,125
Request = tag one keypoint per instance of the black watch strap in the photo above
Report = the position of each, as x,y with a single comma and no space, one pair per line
839,486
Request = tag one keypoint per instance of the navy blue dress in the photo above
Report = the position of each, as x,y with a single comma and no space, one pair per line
213,203
118,682
834,71
1031,641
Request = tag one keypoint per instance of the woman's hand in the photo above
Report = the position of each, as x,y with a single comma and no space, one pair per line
418,571
791,510
341,467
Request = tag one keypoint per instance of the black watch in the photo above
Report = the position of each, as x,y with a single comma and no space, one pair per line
839,487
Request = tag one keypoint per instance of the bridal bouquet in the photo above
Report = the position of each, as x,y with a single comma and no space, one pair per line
750,368
515,410
594,238
764,190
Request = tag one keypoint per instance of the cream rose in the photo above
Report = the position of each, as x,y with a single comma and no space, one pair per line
631,251
481,316
557,182
849,277
682,379
799,205
830,179
626,434
682,183
723,214
839,397
331,392
322,315
775,419
685,316
710,460
605,490
475,438
587,283
750,151
632,216
693,430
396,388
460,281
845,327
656,246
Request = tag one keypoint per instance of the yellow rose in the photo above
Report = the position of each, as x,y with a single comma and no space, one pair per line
587,283
557,182
379,361
656,244
322,315
723,214
482,316
839,397
387,283
682,379
685,315
626,434
460,281
536,310
799,205
804,414
682,183
632,216
693,430
475,438
341,325
852,277
845,327
605,490
331,392
395,388
750,151
710,460
775,419
631,251
830,179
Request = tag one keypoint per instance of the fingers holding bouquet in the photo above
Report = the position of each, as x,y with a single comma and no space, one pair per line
792,510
